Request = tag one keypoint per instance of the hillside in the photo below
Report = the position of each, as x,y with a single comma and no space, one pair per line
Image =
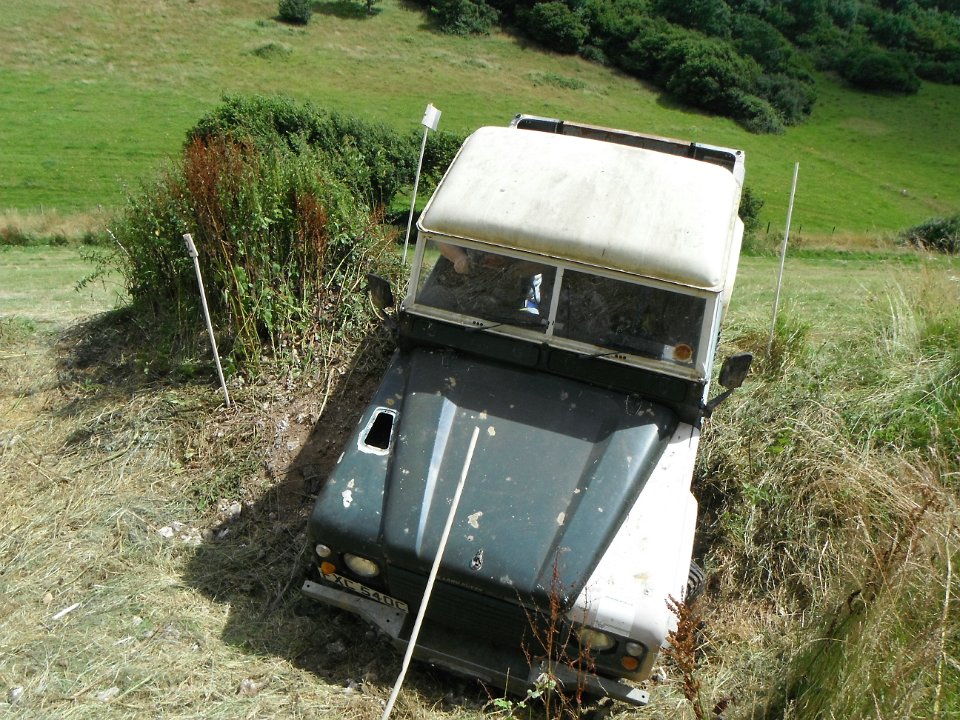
101,92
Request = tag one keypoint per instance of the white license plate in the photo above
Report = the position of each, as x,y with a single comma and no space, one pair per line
344,582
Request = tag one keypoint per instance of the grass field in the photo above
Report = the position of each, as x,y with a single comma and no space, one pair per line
39,287
100,92
152,537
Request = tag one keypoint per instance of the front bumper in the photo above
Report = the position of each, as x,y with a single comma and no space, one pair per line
465,655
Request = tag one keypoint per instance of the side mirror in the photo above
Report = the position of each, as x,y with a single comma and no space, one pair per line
381,296
735,369
732,374
380,293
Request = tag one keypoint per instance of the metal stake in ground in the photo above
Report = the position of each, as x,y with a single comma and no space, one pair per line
431,118
430,580
783,257
192,252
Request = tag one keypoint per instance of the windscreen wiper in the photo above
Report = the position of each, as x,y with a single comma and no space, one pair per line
601,353
478,328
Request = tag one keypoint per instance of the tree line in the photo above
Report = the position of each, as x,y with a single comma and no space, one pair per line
751,60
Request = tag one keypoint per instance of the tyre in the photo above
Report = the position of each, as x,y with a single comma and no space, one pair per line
696,581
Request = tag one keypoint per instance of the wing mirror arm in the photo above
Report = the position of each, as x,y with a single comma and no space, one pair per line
381,297
732,374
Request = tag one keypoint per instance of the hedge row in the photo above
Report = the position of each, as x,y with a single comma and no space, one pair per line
285,203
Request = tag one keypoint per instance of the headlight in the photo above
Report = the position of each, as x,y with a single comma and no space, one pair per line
595,640
636,649
361,566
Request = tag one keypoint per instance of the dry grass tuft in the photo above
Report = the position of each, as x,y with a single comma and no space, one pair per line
51,227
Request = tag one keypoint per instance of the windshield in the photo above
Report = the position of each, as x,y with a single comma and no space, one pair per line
627,316
612,315
495,288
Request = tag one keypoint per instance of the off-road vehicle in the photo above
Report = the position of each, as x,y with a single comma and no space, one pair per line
565,298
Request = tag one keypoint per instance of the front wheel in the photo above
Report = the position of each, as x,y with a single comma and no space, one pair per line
696,581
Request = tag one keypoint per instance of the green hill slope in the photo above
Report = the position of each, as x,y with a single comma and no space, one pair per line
100,92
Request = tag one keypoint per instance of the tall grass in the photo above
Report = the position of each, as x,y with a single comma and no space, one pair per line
828,492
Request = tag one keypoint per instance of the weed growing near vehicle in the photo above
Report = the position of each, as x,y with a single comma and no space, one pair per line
682,653
284,246
285,204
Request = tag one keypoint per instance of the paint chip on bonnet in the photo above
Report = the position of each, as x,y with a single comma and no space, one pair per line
474,519
491,431
347,494
561,517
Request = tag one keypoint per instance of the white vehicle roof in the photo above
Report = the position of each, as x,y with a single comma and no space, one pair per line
605,204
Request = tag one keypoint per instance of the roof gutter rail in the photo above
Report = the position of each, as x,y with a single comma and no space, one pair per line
727,158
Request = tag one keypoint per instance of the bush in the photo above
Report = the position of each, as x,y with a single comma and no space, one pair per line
295,11
711,17
892,30
442,147
283,243
613,24
645,54
283,202
793,98
374,160
706,72
464,17
750,206
873,68
755,114
763,42
947,73
940,234
555,26
13,235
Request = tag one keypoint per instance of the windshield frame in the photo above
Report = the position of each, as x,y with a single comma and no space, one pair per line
697,369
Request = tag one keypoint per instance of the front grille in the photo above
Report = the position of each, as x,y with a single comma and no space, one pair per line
463,610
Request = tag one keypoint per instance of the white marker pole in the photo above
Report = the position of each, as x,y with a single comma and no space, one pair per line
431,118
432,578
783,257
192,252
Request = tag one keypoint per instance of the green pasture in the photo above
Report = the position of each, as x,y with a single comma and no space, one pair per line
99,93
39,287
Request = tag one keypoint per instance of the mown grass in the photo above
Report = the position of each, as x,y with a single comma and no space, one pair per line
40,286
100,92
175,525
